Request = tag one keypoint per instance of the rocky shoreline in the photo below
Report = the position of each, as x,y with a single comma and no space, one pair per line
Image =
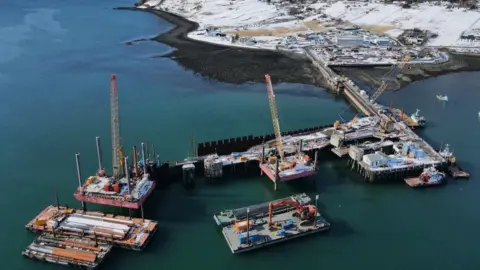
242,65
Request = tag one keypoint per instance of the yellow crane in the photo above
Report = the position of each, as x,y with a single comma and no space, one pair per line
390,74
273,110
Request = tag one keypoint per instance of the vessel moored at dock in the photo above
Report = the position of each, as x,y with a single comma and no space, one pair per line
454,169
429,177
125,232
68,250
270,223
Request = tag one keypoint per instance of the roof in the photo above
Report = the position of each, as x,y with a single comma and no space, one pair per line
375,157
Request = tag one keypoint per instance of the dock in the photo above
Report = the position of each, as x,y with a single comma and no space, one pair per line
270,223
67,251
120,231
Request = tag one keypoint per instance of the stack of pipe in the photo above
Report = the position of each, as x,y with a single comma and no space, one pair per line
64,253
102,226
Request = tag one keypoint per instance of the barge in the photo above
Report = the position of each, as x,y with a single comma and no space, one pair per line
121,231
257,226
68,251
429,177
128,189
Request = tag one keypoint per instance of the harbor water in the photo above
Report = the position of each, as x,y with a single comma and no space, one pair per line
54,99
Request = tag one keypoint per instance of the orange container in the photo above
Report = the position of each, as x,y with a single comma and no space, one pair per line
106,188
116,188
75,254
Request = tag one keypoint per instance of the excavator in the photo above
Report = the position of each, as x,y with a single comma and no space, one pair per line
304,212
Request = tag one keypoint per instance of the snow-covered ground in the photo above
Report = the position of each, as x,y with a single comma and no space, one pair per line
269,26
447,23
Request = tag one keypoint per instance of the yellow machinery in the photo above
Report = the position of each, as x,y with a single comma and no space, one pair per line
274,112
391,73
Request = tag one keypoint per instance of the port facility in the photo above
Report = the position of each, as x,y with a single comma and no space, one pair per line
257,226
68,250
125,232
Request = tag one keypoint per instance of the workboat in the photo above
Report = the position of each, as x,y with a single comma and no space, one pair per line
446,153
429,177
442,98
417,118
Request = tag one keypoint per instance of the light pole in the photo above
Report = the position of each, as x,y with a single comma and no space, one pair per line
248,227
316,210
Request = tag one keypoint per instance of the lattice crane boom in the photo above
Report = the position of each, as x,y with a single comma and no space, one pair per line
273,110
117,156
392,73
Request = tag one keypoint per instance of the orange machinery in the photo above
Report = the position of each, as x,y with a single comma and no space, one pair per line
302,211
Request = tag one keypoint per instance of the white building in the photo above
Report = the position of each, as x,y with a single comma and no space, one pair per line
375,160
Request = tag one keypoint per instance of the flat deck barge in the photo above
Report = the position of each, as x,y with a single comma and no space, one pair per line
94,191
457,172
417,182
125,232
228,217
269,223
67,251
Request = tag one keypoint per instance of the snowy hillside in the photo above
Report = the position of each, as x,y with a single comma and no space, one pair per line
393,19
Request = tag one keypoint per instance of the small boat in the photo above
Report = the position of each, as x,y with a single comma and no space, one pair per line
429,177
442,98
446,153
417,118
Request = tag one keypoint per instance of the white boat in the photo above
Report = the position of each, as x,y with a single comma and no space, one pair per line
442,98
420,120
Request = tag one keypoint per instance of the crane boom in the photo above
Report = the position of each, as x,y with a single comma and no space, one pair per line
392,73
273,110
115,128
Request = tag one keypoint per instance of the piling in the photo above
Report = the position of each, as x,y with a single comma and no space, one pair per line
79,175
127,173
277,175
144,159
99,153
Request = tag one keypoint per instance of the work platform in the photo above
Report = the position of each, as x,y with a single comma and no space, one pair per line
256,228
125,232
68,251
95,192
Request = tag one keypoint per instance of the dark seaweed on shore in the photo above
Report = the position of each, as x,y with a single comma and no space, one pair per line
231,64
241,65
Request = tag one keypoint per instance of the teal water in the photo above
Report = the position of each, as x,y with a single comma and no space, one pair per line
55,63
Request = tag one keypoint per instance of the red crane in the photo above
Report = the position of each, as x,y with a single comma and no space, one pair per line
305,212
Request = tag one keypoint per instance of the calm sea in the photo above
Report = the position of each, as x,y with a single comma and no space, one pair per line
55,62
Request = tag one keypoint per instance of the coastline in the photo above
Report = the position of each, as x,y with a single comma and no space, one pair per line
239,65
235,65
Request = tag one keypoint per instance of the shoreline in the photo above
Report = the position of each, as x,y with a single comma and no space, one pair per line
237,65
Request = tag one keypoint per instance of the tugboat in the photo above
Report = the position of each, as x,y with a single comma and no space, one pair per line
442,98
429,177
453,168
417,118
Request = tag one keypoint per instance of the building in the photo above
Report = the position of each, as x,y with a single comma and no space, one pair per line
375,160
348,41
382,42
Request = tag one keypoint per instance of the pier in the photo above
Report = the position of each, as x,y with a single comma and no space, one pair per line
393,149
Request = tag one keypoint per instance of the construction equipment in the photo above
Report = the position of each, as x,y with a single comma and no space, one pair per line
117,151
392,73
273,110
304,212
